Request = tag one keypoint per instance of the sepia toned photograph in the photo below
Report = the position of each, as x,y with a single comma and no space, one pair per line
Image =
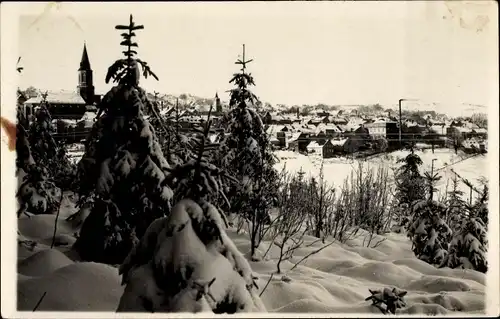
265,159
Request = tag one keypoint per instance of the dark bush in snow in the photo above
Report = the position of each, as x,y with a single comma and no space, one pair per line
123,171
393,299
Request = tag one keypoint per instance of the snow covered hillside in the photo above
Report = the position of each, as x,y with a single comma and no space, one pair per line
335,280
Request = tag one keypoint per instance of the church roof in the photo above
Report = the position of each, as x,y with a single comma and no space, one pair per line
62,97
85,62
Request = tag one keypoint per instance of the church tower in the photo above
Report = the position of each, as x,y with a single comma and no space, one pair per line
218,106
85,81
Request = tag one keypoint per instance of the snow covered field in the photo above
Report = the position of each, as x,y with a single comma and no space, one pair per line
337,169
334,280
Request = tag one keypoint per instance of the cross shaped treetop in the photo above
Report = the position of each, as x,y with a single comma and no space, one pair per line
126,70
243,62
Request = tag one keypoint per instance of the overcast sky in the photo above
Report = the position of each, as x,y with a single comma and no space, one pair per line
304,53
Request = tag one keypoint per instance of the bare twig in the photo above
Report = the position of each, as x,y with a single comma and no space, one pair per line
267,284
39,302
310,254
55,224
378,243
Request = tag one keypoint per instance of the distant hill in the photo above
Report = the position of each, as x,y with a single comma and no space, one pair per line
191,101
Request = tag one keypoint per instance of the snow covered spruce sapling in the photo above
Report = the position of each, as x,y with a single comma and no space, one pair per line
123,171
46,151
481,206
456,205
428,230
409,186
470,241
186,262
246,153
36,193
469,246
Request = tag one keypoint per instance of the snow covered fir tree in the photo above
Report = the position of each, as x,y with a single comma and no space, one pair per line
469,245
46,151
123,171
246,153
428,231
39,163
409,186
456,210
186,262
36,192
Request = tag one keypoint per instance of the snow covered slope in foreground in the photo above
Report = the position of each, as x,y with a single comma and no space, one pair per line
334,280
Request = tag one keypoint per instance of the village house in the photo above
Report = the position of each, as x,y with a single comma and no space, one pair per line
298,142
324,149
327,150
357,140
438,128
328,130
338,120
314,148
314,121
293,142
278,132
458,132
480,132
267,118
275,142
383,128
338,145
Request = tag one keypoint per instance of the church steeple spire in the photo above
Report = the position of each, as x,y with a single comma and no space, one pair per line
218,106
85,78
84,63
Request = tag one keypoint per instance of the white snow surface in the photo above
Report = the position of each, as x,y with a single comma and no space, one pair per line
335,280
336,170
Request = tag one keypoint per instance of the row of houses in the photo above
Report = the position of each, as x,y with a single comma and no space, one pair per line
327,138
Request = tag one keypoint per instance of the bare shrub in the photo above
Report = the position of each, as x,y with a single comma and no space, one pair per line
290,224
364,202
260,225
320,206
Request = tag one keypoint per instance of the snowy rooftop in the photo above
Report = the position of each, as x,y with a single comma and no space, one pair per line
273,129
61,97
313,144
338,142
